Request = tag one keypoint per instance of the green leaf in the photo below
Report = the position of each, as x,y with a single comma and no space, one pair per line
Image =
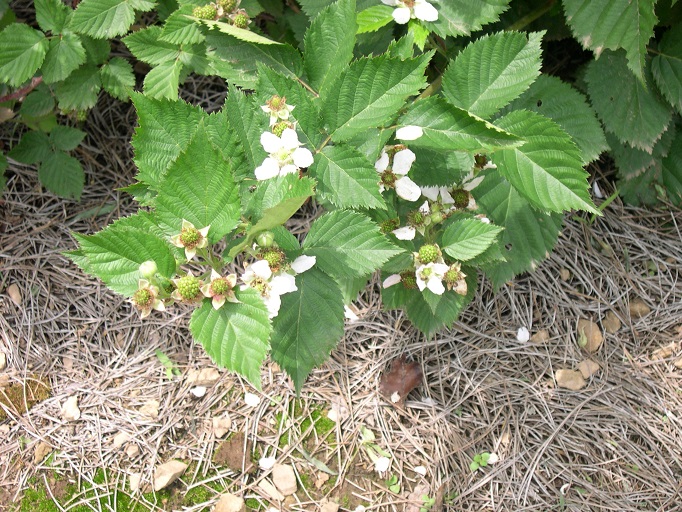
199,187
241,34
309,325
163,81
165,130
529,235
329,42
465,239
115,253
270,193
346,178
547,169
462,17
66,138
236,335
51,15
38,103
492,71
225,140
65,54
373,18
181,28
306,113
62,174
348,245
32,148
103,19
247,121
440,168
666,67
672,171
96,50
80,90
613,24
23,51
632,112
118,78
567,107
450,128
146,45
370,92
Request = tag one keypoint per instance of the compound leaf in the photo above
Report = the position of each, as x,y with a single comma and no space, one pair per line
373,18
147,46
163,81
66,138
462,17
33,147
51,15
181,28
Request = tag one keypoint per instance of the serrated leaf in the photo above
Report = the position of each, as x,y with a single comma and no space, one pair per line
370,92
23,51
440,168
38,103
181,28
446,127
103,19
309,325
199,187
631,112
346,178
66,138
118,78
162,81
236,335
62,174
115,254
225,140
666,67
567,107
51,15
328,43
348,245
373,18
272,192
492,71
238,33
305,112
671,174
462,17
547,169
65,54
465,239
165,129
32,148
80,90
529,235
613,24
246,120
96,50
146,45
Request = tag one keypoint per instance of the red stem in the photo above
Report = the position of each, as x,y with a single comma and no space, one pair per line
20,93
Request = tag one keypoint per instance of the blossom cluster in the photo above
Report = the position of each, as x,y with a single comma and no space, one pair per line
405,10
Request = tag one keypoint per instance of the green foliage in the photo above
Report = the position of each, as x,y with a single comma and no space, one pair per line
465,239
104,19
23,51
666,67
462,17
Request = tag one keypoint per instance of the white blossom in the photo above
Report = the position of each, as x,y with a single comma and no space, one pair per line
402,162
409,132
286,155
434,193
431,276
405,233
409,9
303,263
280,114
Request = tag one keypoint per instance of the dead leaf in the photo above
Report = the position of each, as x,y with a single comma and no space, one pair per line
588,367
270,490
564,274
41,451
203,377
611,323
14,294
230,453
593,336
638,308
399,380
168,473
221,425
540,336
120,439
132,450
570,379
321,479
665,351
70,410
150,409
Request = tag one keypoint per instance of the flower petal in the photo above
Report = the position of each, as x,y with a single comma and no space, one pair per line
391,280
273,303
402,161
303,263
435,285
407,189
392,3
303,157
268,169
425,11
290,139
402,15
431,193
409,132
523,335
218,301
283,283
271,142
405,233
288,169
261,268
382,164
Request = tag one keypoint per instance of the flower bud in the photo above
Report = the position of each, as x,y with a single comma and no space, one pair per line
148,269
265,239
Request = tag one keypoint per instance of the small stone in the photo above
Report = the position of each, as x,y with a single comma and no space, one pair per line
4,429
638,308
41,451
221,426
203,377
593,336
150,409
120,439
321,479
198,392
678,363
14,294
570,379
588,367
132,450
420,470
270,490
284,477
266,463
70,410
522,334
168,473
3,361
540,336
564,274
230,503
251,400
611,323
134,480
329,506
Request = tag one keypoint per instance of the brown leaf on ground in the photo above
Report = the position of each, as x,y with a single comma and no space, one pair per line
638,308
540,336
588,367
611,323
399,380
231,454
14,294
593,336
664,351
570,379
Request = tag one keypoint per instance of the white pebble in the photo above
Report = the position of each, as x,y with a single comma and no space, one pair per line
523,335
251,400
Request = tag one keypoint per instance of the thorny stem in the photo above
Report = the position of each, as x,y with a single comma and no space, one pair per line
20,93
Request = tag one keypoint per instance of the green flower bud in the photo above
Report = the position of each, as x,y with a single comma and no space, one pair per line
241,20
205,12
428,253
265,239
148,269
227,5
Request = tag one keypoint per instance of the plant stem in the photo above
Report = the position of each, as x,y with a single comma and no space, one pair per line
532,16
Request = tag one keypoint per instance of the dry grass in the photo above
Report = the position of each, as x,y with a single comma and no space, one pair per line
615,445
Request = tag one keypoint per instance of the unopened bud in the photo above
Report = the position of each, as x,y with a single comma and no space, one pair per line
265,239
148,269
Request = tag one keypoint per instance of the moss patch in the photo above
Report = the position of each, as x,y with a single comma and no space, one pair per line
21,397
